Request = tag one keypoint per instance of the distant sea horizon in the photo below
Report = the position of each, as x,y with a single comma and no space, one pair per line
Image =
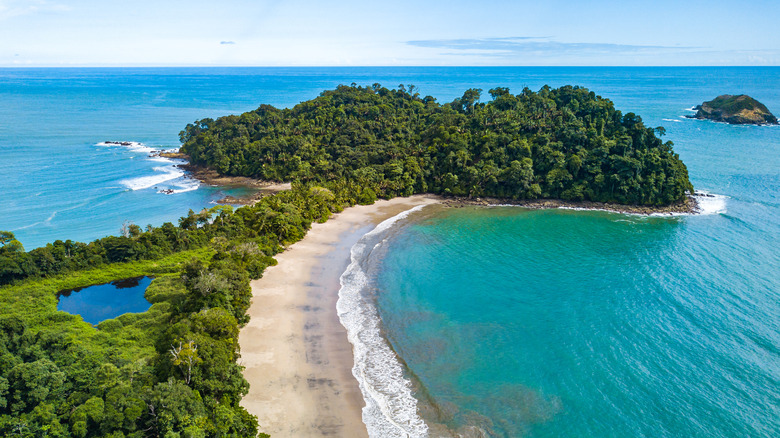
542,323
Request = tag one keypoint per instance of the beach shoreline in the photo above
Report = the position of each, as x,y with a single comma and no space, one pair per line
296,353
297,358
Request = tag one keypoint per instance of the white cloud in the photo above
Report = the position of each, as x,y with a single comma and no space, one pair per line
15,8
544,46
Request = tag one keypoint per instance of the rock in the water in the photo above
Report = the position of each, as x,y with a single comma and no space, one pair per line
737,110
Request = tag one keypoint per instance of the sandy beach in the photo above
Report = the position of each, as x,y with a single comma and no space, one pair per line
296,353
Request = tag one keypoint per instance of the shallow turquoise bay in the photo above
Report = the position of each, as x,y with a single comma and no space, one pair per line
565,323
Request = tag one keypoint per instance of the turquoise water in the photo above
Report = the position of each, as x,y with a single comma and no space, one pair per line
517,322
105,301
563,323
567,324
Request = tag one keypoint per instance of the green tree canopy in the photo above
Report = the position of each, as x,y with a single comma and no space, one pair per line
565,143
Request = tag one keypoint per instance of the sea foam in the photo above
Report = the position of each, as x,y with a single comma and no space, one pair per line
130,145
187,187
173,177
710,203
391,409
162,174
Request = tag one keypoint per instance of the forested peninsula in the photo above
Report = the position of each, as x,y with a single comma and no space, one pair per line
172,371
564,143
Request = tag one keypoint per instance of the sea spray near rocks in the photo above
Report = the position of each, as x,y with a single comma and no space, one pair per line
170,174
709,203
391,409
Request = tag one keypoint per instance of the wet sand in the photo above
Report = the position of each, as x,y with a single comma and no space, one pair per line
296,353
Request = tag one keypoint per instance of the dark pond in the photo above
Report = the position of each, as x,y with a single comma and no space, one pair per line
106,301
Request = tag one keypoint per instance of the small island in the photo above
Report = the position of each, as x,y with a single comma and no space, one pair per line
735,110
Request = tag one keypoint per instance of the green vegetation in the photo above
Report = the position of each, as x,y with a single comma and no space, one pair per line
735,104
61,377
739,110
169,372
562,143
172,371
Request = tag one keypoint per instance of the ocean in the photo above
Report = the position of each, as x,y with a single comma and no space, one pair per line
511,322
500,321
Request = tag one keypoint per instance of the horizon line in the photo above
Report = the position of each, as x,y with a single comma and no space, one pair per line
378,66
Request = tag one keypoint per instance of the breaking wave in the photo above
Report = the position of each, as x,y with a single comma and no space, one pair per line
162,174
391,409
173,178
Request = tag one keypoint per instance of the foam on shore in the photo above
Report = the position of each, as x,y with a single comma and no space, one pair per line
391,409
187,186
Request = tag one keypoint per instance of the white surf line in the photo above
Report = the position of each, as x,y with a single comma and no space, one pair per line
391,409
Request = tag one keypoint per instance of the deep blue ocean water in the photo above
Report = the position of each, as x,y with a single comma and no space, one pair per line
517,322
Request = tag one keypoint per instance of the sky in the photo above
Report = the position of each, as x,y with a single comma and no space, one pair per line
388,33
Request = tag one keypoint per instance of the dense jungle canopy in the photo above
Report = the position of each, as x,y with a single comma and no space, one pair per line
564,143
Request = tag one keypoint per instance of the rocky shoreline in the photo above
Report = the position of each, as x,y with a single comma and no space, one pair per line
211,177
690,206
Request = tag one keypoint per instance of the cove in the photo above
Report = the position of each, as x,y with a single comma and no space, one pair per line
105,301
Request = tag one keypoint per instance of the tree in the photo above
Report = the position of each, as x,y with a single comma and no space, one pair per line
469,99
9,243
185,356
32,383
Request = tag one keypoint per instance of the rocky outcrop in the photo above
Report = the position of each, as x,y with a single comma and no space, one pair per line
736,110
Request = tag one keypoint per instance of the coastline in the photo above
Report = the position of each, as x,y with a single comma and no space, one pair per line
690,206
214,178
211,177
297,356
728,276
